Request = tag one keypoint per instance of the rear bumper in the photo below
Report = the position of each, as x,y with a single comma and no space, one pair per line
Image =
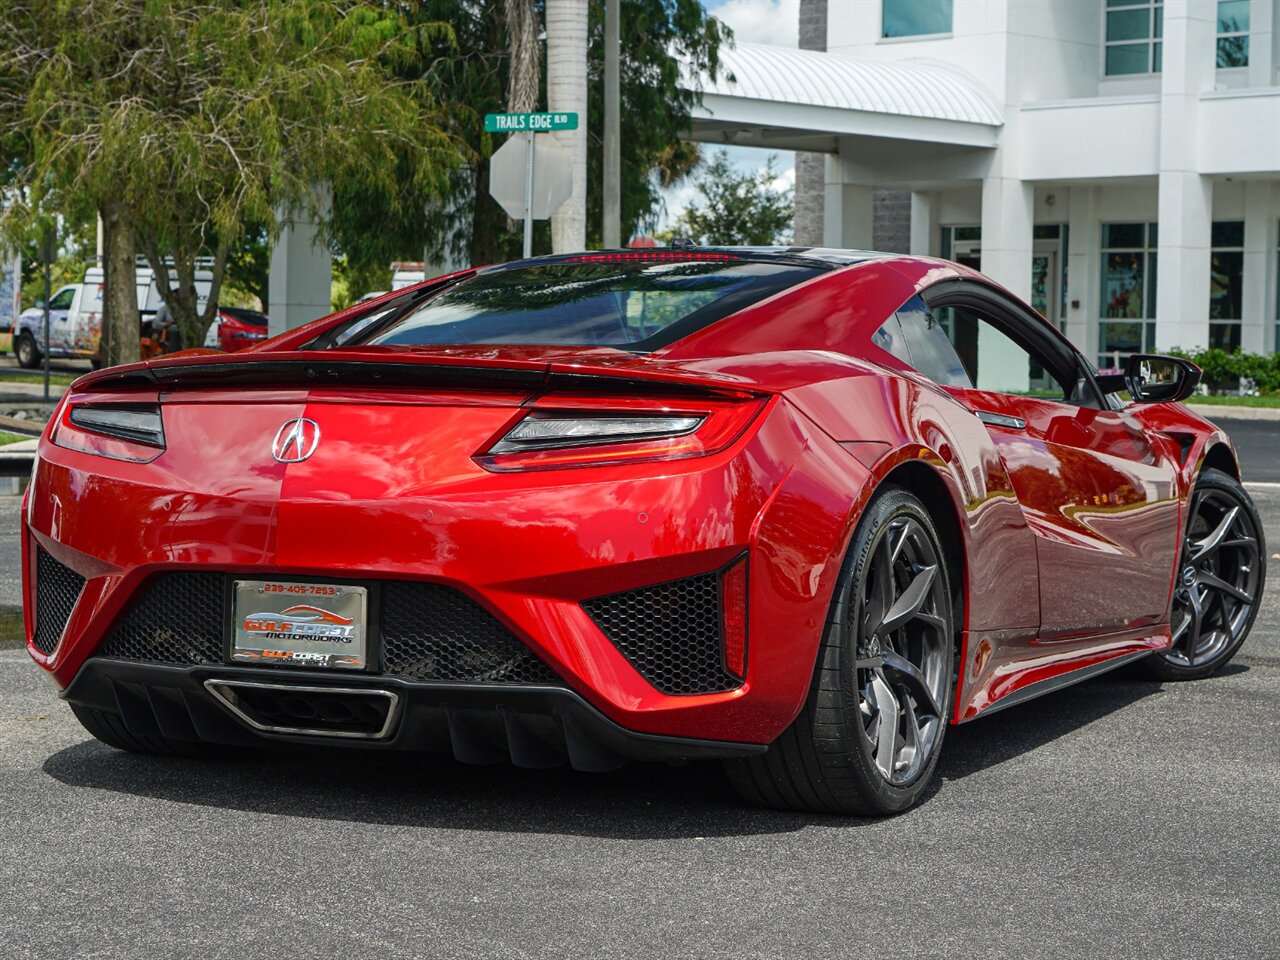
532,551
530,726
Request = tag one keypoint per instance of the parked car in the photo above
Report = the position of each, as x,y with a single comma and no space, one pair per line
235,328
802,510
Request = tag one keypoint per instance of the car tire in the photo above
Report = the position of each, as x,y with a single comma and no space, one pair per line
1223,560
109,728
26,351
833,758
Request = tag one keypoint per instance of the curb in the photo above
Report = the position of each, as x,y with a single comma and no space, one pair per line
1217,412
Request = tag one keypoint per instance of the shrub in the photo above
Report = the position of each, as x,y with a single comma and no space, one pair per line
1224,370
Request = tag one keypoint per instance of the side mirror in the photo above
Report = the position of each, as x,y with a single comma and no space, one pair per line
1150,378
39,305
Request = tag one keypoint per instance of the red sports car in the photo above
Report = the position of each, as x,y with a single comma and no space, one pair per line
798,509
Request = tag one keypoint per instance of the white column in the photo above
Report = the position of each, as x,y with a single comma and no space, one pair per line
925,240
847,214
566,22
1084,241
1186,198
301,276
1259,300
1008,221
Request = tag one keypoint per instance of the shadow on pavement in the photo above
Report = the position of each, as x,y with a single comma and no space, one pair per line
987,741
643,801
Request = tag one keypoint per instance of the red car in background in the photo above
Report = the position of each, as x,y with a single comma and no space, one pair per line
797,509
236,328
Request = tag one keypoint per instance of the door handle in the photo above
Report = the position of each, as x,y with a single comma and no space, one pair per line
1001,420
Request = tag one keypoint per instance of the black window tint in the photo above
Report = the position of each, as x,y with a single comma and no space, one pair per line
63,300
931,351
634,304
890,339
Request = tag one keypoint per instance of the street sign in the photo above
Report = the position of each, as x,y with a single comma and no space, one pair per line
529,122
552,176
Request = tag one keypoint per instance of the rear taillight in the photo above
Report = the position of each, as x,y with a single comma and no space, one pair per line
122,431
560,433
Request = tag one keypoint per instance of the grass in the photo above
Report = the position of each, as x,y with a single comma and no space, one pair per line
1271,400
11,631
37,377
8,438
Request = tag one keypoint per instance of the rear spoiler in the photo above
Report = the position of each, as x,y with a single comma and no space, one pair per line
309,370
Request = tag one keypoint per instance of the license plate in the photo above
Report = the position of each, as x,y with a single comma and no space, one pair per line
300,624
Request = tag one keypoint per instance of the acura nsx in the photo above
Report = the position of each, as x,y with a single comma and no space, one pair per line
796,509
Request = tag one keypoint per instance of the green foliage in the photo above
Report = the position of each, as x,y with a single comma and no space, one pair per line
1223,370
656,36
470,77
736,208
195,120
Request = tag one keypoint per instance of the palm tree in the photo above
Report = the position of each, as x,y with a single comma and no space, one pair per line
522,38
567,91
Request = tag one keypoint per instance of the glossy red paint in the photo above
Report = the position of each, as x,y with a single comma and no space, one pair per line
1064,538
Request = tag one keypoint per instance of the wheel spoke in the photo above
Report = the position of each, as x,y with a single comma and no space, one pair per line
905,672
1224,613
887,732
1195,611
1202,548
1214,582
907,606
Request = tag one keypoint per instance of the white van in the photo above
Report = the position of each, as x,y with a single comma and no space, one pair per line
75,316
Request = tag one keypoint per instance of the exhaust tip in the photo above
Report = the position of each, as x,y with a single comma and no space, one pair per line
286,708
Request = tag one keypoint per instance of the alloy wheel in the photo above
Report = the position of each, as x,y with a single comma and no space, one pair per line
1217,581
903,649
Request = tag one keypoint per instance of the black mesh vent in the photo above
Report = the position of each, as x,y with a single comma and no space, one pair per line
670,632
430,632
57,590
178,620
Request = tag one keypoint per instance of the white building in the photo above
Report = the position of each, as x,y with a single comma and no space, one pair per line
1114,162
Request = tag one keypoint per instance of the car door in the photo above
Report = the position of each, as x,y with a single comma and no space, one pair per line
59,306
1097,491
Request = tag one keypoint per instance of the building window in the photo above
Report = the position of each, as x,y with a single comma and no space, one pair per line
1233,33
1133,32
1226,280
915,18
1128,292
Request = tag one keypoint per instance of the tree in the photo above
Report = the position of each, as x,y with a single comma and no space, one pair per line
567,31
472,78
186,121
737,208
661,41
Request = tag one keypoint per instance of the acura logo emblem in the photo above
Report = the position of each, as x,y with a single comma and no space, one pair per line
296,440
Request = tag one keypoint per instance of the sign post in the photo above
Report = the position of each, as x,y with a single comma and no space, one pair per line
48,252
540,195
528,196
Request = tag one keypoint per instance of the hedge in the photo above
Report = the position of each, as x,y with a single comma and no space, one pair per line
1223,371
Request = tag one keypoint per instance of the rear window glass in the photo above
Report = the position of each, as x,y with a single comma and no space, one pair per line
633,305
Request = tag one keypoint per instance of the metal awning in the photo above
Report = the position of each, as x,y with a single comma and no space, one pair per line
804,99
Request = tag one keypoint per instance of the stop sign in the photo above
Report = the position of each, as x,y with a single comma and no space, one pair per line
552,176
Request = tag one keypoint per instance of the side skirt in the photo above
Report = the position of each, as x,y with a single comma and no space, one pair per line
1040,688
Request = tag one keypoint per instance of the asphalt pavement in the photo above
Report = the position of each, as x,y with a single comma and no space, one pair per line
1119,818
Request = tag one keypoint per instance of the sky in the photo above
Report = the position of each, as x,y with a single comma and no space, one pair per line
754,21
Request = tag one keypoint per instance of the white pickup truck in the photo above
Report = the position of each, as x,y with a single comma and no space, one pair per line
75,316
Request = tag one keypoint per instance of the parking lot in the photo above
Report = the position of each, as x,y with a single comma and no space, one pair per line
1117,818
